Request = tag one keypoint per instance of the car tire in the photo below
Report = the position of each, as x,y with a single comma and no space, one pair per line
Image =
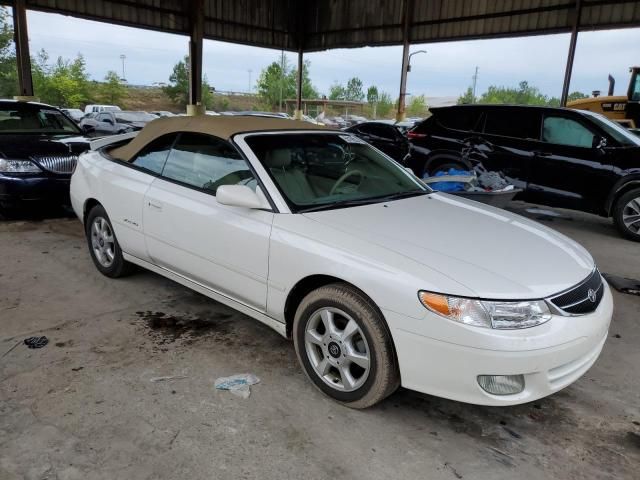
626,214
103,245
353,363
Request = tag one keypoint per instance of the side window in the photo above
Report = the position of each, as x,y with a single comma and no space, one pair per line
524,123
459,118
153,156
382,131
102,117
565,131
206,162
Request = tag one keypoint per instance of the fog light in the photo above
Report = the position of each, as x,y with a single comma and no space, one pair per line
501,384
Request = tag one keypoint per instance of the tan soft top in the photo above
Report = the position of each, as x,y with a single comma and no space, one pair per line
223,126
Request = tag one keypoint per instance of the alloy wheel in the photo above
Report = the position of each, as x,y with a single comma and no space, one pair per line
337,349
631,215
103,242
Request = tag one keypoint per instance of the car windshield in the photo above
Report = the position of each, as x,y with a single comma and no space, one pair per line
134,117
33,119
316,171
620,134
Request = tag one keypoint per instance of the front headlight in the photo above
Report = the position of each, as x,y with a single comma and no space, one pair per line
504,315
18,166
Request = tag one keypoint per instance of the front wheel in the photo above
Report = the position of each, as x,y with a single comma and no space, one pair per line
103,246
626,214
344,346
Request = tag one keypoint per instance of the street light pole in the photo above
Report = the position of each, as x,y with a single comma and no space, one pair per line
406,68
123,57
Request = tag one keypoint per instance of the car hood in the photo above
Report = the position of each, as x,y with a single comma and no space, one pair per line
492,252
24,146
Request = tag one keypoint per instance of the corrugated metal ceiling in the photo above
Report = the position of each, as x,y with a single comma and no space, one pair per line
325,24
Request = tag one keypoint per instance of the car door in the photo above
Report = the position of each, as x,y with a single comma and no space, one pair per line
124,185
104,124
568,167
386,138
188,232
508,139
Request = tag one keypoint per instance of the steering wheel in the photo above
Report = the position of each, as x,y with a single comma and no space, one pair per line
341,180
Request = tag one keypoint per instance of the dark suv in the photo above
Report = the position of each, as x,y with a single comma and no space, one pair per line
559,157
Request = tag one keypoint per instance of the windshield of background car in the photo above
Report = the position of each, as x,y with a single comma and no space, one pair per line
313,170
25,118
620,134
134,117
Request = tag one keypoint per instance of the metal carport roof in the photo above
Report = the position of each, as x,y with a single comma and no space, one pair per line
313,25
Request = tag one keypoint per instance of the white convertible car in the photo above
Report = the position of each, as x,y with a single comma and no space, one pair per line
378,280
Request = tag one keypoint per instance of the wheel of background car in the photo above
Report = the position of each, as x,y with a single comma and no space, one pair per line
103,245
626,214
344,346
341,180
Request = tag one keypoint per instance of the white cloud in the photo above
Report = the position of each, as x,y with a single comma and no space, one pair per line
445,70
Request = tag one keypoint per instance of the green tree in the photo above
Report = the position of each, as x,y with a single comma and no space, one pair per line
417,106
278,81
372,99
8,70
64,83
525,94
337,92
178,88
354,91
112,91
467,97
385,105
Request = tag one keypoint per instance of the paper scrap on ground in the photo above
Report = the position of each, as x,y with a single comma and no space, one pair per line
239,385
169,377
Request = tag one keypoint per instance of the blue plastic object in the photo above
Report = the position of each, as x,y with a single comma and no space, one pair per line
445,186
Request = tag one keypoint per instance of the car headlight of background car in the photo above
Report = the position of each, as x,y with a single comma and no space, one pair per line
504,315
18,166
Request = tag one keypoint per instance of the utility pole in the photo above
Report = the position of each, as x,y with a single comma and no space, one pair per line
281,78
123,58
249,80
475,81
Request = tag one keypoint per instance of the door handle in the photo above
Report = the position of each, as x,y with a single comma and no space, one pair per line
155,206
542,154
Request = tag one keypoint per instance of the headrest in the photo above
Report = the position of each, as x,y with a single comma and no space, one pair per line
278,158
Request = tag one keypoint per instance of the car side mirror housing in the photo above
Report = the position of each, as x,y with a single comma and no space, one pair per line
238,196
88,128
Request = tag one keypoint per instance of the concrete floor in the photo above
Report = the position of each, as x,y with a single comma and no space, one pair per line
83,407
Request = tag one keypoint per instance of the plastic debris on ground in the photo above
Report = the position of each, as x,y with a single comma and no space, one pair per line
167,378
476,180
36,342
542,211
623,285
239,385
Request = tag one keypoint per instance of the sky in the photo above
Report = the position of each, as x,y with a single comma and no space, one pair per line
445,70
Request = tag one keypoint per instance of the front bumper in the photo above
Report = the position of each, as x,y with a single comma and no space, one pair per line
550,356
18,189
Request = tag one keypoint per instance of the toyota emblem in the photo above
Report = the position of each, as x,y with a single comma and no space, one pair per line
591,295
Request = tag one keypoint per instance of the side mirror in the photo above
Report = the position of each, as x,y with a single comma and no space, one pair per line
86,128
108,120
238,196
599,142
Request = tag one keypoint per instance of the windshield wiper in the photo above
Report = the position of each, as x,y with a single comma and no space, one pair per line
364,201
341,203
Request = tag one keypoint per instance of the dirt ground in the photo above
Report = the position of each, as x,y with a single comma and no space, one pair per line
84,406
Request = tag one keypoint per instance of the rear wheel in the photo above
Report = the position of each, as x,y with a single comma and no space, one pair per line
344,346
103,245
626,214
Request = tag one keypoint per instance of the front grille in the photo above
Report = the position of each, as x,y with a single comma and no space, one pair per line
58,163
577,300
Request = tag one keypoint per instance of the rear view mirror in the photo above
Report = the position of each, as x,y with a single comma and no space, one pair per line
238,196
